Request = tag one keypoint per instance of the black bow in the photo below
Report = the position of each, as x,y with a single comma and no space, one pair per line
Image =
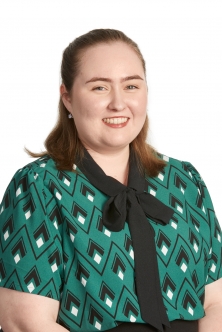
132,204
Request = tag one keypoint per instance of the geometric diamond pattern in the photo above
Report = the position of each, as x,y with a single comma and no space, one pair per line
53,243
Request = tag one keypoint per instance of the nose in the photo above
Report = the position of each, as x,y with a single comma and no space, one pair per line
117,102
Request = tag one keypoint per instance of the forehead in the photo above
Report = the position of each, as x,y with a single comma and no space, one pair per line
112,59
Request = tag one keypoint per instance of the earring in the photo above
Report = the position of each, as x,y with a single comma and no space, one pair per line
70,116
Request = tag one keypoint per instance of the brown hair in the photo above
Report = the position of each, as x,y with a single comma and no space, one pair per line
63,144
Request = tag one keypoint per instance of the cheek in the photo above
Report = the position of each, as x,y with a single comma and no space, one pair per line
91,108
140,102
140,110
144,101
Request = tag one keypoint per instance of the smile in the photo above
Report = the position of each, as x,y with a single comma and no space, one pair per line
115,120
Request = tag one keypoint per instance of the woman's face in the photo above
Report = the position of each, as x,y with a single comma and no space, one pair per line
108,99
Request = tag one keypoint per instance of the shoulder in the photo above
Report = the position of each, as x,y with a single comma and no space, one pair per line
40,178
42,171
182,182
182,167
39,166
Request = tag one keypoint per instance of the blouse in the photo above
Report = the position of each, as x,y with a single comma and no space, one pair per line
53,243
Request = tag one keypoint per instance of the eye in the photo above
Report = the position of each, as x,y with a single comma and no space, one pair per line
131,87
99,88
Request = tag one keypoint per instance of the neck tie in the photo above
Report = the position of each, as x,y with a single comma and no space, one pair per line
131,203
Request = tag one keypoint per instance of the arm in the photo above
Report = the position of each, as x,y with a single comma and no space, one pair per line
22,312
213,308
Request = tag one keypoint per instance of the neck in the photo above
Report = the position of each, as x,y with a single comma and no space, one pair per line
114,164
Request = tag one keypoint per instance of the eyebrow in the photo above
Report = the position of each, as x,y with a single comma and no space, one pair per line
105,79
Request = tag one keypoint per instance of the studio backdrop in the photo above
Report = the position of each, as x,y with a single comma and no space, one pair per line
181,43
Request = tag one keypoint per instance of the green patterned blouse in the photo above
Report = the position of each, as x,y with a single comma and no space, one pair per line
53,243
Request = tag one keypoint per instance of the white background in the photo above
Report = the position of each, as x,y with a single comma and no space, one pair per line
181,42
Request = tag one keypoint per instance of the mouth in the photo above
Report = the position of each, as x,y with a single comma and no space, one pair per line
118,120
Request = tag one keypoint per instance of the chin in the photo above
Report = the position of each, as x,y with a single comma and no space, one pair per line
117,145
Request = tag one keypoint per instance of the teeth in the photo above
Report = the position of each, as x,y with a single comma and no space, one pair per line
115,120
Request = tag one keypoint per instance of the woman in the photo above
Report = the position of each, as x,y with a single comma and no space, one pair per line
102,232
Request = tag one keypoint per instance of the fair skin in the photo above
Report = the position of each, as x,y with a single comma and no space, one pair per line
212,322
22,312
121,97
108,90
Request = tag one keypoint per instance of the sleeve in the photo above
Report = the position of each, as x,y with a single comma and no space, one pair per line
30,245
213,267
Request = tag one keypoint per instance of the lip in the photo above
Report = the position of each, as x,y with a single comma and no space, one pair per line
113,125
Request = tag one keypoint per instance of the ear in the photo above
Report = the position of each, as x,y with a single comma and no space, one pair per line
65,97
